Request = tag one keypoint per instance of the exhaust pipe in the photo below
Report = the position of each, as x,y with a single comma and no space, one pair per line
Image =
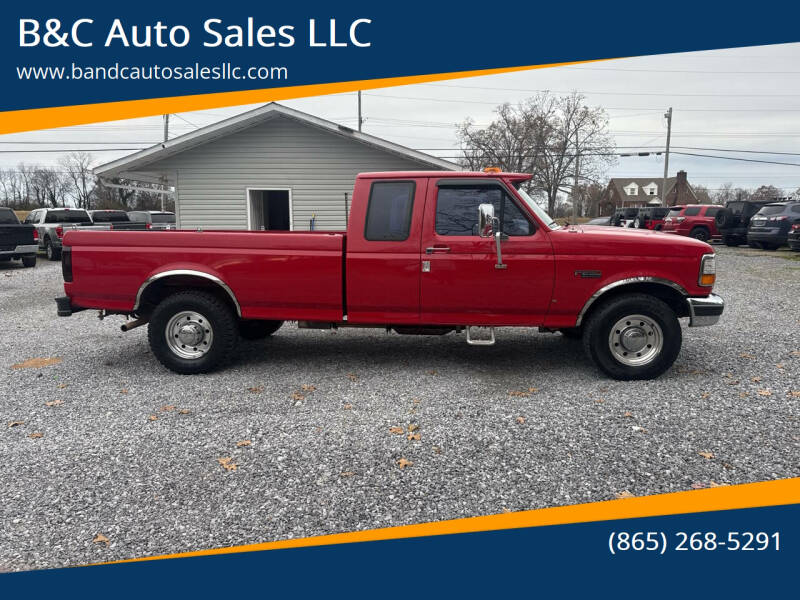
134,324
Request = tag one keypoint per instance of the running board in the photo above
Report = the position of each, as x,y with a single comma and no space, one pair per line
472,341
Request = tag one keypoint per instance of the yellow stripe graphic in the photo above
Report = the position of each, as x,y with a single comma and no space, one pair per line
63,116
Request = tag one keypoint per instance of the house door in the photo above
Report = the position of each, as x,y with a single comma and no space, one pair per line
269,209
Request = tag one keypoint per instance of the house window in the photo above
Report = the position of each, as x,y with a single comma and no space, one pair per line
632,190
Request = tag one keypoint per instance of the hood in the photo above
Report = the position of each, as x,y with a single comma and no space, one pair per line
605,241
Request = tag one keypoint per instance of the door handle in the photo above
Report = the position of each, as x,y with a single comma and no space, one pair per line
437,249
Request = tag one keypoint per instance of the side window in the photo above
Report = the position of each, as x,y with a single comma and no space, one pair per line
712,211
691,211
389,211
457,211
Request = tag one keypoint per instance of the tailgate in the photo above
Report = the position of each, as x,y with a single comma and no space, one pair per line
12,236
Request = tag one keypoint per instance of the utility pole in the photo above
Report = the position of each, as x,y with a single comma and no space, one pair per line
166,139
668,117
360,120
575,187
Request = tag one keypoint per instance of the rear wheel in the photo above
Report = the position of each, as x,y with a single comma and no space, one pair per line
28,261
258,330
192,332
756,245
51,252
633,337
700,233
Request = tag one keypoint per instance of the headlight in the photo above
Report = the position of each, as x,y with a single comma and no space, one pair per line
708,270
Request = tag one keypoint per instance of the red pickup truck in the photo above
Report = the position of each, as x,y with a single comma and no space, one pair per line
424,253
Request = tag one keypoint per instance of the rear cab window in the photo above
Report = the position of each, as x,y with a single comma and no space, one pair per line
389,211
67,216
163,218
457,210
111,216
7,217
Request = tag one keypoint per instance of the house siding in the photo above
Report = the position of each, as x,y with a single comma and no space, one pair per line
318,166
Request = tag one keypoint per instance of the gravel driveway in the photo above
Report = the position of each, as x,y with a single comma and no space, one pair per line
295,439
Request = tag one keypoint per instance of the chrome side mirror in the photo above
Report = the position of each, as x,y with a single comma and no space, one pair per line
486,220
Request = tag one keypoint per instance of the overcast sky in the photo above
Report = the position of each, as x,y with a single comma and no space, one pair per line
725,102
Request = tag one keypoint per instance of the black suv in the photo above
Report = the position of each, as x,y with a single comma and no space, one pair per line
623,217
769,227
732,221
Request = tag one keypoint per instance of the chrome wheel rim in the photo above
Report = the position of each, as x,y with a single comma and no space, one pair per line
189,334
635,340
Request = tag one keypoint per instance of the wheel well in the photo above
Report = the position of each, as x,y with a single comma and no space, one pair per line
705,227
672,297
159,289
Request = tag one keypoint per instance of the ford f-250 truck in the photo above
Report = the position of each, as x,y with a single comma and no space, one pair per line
424,253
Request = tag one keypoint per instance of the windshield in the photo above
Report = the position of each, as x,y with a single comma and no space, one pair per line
7,217
110,216
771,209
163,218
538,210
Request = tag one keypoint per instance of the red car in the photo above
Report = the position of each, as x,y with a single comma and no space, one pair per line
694,220
424,253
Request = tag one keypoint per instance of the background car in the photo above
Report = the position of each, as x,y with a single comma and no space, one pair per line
794,237
153,219
114,219
651,217
694,220
17,241
769,227
732,221
599,221
623,217
50,224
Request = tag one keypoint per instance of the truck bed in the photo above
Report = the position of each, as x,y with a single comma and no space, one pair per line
272,274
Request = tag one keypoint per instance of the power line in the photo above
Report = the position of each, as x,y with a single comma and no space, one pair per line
606,93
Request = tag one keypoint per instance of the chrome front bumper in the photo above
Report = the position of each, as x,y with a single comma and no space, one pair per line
705,311
26,249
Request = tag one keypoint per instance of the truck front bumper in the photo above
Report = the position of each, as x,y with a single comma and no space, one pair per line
21,250
705,311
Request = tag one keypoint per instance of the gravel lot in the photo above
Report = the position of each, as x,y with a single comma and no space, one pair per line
131,451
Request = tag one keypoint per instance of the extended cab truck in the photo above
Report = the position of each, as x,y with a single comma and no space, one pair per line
424,253
52,223
17,241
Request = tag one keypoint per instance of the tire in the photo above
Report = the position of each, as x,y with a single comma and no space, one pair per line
207,322
572,333
770,247
756,245
700,233
51,252
257,329
724,218
625,314
28,261
659,227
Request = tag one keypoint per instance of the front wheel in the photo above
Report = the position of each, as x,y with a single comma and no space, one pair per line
700,234
192,332
633,337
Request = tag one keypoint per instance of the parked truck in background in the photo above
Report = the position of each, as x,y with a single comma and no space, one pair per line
117,220
424,253
17,240
52,223
153,219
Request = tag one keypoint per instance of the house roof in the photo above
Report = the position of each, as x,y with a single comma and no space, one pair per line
139,160
620,183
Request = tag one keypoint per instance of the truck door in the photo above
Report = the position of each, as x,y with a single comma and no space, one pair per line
383,251
461,284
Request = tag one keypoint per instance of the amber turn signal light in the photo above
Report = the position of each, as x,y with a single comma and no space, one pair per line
708,280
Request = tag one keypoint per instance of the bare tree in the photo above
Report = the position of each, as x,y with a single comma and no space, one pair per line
545,136
702,194
78,169
767,192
